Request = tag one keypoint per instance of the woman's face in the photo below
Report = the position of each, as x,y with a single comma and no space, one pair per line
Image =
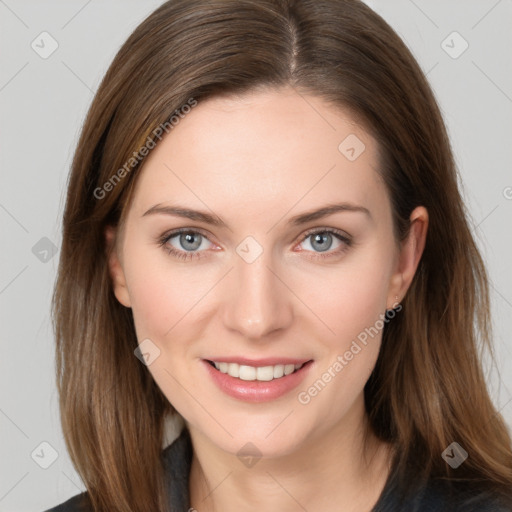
269,283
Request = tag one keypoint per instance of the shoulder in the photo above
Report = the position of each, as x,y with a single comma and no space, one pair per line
78,503
177,463
440,495
177,459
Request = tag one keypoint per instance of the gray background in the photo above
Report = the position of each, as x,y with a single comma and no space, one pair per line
43,102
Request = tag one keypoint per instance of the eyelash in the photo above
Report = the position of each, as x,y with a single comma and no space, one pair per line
184,255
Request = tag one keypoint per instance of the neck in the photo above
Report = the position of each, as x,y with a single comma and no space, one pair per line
334,470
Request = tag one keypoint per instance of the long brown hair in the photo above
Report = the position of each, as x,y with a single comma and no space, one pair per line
427,389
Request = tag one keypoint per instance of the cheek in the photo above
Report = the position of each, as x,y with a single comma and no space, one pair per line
153,304
160,294
351,298
165,303
364,302
352,304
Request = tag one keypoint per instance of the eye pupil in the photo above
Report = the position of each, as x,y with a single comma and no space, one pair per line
187,238
323,245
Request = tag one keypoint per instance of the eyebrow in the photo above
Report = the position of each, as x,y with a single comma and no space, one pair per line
214,220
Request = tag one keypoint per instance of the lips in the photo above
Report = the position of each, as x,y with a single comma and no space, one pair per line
255,382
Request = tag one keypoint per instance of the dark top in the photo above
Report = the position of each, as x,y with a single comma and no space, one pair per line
433,497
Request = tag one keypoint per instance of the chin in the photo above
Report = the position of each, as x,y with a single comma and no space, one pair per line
266,436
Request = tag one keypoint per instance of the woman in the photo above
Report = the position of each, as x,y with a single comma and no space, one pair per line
264,236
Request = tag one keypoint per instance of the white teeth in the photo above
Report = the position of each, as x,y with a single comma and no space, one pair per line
278,371
261,373
246,372
233,369
289,368
265,373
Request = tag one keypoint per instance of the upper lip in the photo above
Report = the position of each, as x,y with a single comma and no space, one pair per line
267,361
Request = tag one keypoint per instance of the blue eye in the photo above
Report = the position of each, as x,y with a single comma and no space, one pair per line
322,240
189,239
193,243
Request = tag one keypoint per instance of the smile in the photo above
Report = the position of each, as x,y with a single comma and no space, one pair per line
261,373
260,383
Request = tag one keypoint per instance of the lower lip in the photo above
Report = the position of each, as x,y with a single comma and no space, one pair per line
255,390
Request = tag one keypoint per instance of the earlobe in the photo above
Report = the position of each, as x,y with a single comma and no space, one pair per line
115,268
410,254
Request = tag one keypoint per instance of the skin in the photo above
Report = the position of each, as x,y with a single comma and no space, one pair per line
256,161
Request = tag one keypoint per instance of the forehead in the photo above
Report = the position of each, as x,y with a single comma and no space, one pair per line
265,152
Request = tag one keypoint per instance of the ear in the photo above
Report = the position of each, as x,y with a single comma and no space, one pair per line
409,257
115,268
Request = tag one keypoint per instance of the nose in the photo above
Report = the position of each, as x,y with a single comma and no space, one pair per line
257,301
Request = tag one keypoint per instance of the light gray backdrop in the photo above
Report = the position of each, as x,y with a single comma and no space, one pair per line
53,55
